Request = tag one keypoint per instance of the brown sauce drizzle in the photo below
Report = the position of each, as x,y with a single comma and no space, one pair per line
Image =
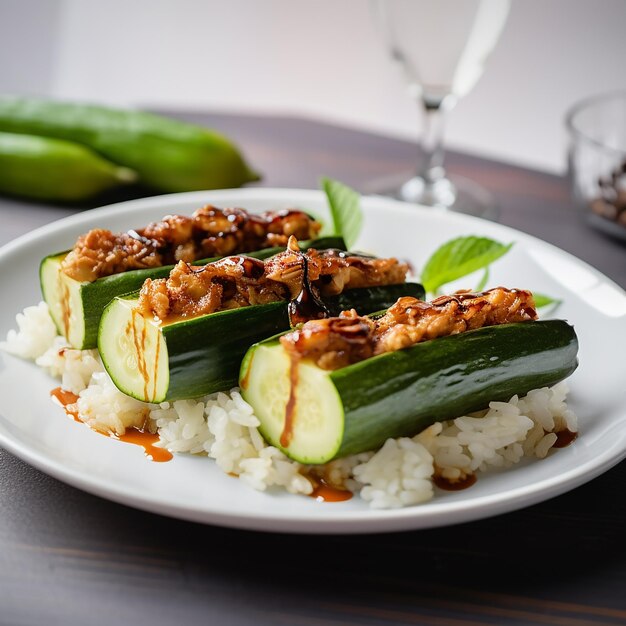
145,440
344,254
290,408
458,485
245,381
307,305
323,492
150,243
140,345
66,398
564,438
65,306
136,436
156,367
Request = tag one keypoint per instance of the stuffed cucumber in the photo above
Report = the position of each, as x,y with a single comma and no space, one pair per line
185,336
341,386
76,306
77,284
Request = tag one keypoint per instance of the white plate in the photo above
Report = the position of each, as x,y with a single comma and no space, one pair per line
193,488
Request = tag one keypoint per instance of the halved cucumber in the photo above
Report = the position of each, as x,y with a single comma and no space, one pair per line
191,358
76,307
318,418
357,408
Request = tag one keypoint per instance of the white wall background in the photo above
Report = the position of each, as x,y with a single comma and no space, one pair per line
322,59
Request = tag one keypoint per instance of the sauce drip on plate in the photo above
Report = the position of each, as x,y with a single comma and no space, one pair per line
66,398
564,438
136,436
145,440
444,483
323,492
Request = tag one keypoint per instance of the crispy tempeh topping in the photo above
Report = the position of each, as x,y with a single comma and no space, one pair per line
239,281
207,233
339,341
333,270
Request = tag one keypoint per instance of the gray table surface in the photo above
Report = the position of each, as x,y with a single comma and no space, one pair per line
67,557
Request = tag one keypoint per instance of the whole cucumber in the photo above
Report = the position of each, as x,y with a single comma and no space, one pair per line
53,169
168,155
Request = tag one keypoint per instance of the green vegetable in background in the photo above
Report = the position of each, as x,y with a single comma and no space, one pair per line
52,169
345,209
452,260
460,257
168,155
541,300
464,255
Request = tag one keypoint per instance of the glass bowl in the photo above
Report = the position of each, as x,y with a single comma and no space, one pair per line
597,161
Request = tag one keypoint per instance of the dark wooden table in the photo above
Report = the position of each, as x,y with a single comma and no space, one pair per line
69,558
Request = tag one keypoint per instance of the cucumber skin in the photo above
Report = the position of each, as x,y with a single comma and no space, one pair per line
199,365
55,170
169,155
400,393
368,300
99,293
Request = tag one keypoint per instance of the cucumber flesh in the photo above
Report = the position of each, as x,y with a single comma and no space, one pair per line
317,416
64,298
138,352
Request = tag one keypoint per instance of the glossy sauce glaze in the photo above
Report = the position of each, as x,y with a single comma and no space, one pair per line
66,399
145,440
66,311
290,407
138,340
139,343
564,438
307,305
459,485
323,492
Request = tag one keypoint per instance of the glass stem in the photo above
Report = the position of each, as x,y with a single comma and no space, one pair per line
432,150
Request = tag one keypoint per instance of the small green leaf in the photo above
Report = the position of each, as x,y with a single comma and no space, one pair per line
542,300
345,209
460,257
483,280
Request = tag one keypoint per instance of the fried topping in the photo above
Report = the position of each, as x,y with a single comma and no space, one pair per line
333,270
238,281
339,341
207,233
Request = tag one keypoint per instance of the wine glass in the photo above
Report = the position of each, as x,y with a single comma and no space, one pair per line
441,47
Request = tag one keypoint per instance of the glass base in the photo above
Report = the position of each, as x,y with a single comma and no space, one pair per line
453,193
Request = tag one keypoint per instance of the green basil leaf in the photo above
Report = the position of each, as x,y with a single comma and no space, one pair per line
345,209
483,281
542,300
460,257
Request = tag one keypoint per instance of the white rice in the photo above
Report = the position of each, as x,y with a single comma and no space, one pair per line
399,474
36,333
223,427
106,409
74,367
